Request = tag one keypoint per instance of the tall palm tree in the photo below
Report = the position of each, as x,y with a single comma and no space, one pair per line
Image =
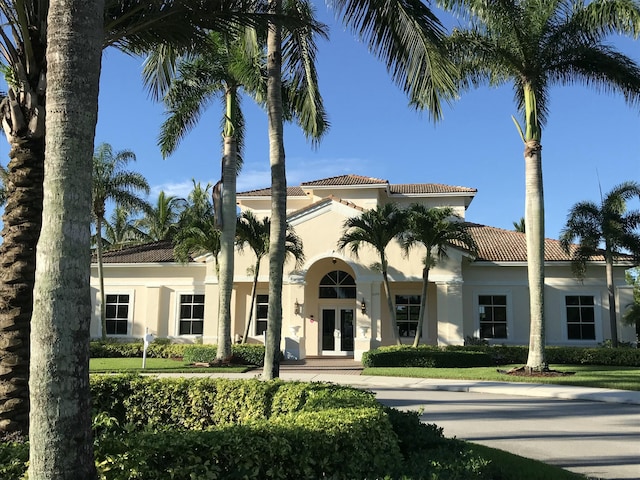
608,224
226,66
436,229
160,222
111,182
3,185
129,25
519,226
536,44
376,228
60,438
254,233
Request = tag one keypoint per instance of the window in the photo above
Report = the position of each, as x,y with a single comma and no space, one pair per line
492,311
337,284
191,314
581,322
262,309
117,317
407,313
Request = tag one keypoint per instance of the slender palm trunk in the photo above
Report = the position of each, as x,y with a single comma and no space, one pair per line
227,236
392,310
60,437
253,300
22,222
103,305
613,321
423,306
534,218
278,197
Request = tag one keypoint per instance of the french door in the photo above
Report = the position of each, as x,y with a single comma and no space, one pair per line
337,331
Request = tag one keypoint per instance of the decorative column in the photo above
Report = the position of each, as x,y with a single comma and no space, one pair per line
363,328
450,313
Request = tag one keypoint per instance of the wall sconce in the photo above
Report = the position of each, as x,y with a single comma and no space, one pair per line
297,307
363,306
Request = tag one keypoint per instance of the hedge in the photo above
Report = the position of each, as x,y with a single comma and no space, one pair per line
486,356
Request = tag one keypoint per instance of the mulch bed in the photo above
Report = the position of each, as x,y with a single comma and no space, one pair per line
526,372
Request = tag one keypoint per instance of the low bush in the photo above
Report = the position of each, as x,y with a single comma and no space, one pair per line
243,353
485,356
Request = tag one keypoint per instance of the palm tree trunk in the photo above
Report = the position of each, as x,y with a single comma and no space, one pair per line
60,437
423,306
613,321
103,305
253,300
392,310
22,222
227,236
534,231
278,197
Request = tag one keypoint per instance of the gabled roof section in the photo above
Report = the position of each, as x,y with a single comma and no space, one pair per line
427,188
154,252
498,245
345,180
319,204
266,192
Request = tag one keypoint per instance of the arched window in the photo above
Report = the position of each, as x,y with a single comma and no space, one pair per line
337,284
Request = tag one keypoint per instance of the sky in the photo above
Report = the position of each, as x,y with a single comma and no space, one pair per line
590,142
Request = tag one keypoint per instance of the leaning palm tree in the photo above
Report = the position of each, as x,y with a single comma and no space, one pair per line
376,228
436,229
128,25
160,222
111,182
254,233
536,44
608,224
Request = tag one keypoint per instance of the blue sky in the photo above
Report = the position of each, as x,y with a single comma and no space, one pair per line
591,138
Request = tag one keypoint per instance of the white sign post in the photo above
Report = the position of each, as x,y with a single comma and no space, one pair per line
148,338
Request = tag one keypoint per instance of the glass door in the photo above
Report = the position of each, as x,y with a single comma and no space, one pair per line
337,331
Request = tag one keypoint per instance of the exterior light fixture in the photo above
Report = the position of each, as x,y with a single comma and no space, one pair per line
363,306
297,307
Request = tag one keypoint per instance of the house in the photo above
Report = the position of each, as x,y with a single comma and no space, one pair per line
335,304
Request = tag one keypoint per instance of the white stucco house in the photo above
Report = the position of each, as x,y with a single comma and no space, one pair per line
335,304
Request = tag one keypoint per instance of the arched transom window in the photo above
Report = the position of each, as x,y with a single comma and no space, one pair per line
337,284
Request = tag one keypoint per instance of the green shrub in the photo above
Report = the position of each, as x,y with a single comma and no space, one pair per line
243,353
430,357
14,459
112,349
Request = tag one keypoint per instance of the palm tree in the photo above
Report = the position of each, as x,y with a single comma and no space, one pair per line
376,228
610,224
519,226
255,234
3,185
130,25
120,230
197,233
111,182
161,222
60,438
536,44
436,229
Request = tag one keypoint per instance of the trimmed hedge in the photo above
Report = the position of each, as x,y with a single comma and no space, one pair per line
487,356
243,353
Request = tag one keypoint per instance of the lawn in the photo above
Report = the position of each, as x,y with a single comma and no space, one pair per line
154,365
597,376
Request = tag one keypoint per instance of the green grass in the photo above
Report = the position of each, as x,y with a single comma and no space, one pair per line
507,466
623,378
154,365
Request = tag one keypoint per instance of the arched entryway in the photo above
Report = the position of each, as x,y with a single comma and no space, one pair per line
337,301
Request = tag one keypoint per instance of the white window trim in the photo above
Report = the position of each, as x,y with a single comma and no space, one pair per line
476,314
597,315
178,294
254,329
426,313
131,294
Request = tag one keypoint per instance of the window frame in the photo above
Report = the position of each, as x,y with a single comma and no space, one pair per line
255,314
411,307
179,318
493,322
509,311
597,321
130,304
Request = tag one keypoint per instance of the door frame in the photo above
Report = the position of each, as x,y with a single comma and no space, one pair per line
337,308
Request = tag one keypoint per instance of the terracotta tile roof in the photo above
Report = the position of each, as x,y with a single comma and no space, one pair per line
155,252
417,188
349,179
266,192
322,202
498,245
